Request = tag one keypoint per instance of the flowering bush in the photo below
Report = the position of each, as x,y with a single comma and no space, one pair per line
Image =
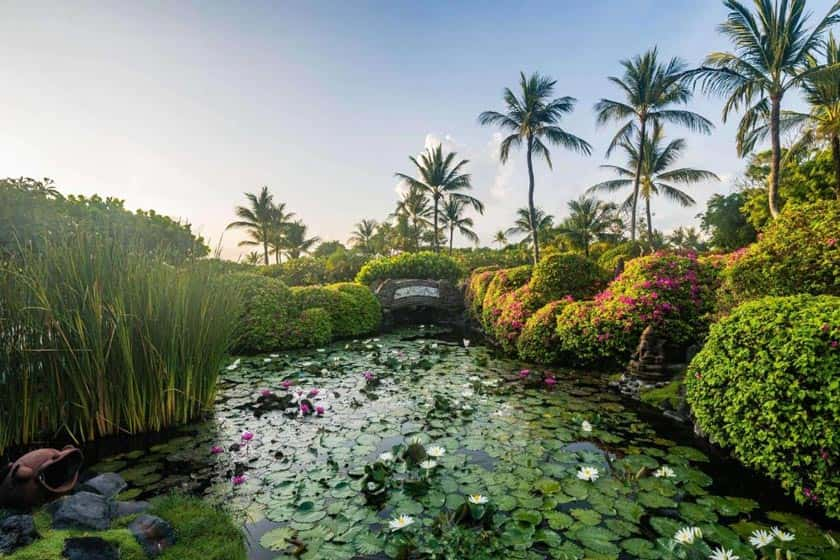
516,307
538,341
798,253
424,265
566,274
673,293
503,282
268,304
476,287
610,258
767,385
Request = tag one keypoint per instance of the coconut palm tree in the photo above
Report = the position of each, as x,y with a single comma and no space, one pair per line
295,242
532,118
655,171
253,258
652,92
364,234
280,220
590,220
258,218
500,238
772,47
686,238
414,207
523,225
440,178
454,219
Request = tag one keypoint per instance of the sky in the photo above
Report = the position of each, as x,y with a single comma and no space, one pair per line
183,106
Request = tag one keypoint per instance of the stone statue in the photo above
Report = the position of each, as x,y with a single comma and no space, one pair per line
39,477
649,360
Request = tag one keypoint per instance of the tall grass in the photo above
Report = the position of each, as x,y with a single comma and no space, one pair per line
98,339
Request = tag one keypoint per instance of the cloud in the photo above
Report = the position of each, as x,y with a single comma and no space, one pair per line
501,187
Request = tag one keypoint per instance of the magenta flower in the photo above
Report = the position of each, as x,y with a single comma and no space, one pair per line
239,479
832,242
216,450
524,373
826,327
834,344
368,375
313,392
247,436
304,408
550,381
319,410
286,384
266,393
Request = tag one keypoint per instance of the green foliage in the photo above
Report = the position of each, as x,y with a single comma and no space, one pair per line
482,257
303,271
312,328
516,307
798,253
767,385
103,339
268,312
32,212
476,288
621,253
425,265
726,224
671,292
352,308
537,342
503,282
367,312
566,274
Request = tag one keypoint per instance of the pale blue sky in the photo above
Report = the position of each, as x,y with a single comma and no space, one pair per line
182,106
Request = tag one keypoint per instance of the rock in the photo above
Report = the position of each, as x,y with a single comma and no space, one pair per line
108,485
16,531
89,548
153,533
83,510
131,508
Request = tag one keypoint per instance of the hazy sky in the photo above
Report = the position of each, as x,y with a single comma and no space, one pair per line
181,107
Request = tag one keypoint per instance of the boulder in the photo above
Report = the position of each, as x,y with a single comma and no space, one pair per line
153,533
83,510
131,508
108,485
16,531
89,548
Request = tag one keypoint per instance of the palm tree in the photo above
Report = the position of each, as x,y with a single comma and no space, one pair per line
772,50
533,118
453,217
500,238
686,238
542,224
280,220
364,234
295,242
651,91
414,207
589,220
440,177
258,218
253,258
654,171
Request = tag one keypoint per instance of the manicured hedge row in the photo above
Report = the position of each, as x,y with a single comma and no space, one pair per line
767,385
276,317
425,265
538,340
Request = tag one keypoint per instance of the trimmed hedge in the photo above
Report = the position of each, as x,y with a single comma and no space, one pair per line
626,251
477,287
304,271
566,274
767,385
798,253
312,328
423,265
268,305
538,340
671,292
353,309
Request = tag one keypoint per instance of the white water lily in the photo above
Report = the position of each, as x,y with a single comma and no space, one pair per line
664,472
434,346
761,538
474,378
428,464
783,536
234,365
723,554
436,451
466,343
400,522
586,426
274,355
477,499
687,535
386,457
467,394
322,349
266,360
588,473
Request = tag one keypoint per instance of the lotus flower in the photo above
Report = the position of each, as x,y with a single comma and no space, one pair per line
400,522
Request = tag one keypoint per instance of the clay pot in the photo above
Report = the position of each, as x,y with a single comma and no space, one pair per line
39,477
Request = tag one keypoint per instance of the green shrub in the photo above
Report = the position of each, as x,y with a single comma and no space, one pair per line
767,385
268,307
471,259
623,252
368,311
353,309
566,274
538,340
423,265
304,271
504,281
673,293
312,328
102,339
516,307
798,253
476,287
344,265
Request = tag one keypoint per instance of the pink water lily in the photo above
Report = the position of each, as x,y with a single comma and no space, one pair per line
247,436
313,392
368,375
217,449
550,381
319,410
286,384
524,373
304,408
266,392
239,479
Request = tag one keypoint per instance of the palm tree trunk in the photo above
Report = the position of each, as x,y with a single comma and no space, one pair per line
776,155
265,247
532,215
649,220
451,237
637,180
835,152
437,245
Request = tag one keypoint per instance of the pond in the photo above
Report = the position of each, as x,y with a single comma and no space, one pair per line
568,468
